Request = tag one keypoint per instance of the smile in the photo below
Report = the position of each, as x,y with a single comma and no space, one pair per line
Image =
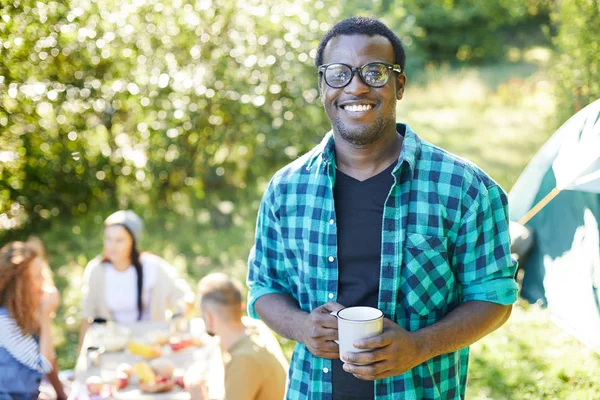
358,107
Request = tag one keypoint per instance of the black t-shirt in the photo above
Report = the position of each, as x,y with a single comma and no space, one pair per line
359,214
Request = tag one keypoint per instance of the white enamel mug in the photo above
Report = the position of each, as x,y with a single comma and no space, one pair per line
356,323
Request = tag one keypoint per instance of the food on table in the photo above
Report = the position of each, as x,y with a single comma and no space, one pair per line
180,343
126,368
121,380
145,350
94,385
196,341
163,367
160,338
157,387
155,377
144,372
114,343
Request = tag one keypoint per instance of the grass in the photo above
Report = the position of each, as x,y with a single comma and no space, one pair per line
497,117
531,358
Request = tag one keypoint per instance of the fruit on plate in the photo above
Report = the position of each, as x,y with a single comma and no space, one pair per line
156,376
163,367
157,387
94,385
144,372
126,368
160,338
121,380
145,350
179,343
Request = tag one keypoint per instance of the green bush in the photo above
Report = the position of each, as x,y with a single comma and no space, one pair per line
476,31
151,105
185,105
576,73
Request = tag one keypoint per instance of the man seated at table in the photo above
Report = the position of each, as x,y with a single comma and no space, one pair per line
255,367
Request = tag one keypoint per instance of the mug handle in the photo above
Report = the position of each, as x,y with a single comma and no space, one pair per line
334,313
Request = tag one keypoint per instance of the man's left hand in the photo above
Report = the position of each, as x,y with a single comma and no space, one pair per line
391,353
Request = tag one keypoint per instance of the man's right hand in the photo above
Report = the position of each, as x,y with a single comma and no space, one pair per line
319,330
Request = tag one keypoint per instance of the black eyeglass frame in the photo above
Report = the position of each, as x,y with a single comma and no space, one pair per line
391,67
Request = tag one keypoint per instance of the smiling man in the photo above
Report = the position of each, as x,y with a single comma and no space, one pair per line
375,216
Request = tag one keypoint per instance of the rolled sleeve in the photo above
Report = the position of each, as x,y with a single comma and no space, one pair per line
266,270
486,269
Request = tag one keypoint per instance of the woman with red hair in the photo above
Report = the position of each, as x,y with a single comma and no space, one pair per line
26,308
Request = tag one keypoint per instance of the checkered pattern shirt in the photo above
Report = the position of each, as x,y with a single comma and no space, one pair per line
445,241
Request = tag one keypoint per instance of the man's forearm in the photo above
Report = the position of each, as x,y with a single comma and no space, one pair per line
462,327
282,314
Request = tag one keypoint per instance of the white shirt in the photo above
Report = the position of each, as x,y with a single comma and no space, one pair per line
121,292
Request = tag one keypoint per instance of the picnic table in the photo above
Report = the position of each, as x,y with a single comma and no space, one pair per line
206,359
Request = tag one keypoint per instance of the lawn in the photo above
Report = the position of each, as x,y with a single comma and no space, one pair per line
497,116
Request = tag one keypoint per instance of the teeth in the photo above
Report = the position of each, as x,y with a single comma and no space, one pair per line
358,107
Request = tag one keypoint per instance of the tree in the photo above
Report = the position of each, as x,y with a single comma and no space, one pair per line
576,71
151,104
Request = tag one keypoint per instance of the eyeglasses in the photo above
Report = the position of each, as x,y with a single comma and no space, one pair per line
374,74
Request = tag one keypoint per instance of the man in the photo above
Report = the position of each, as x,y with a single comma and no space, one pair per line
376,216
255,367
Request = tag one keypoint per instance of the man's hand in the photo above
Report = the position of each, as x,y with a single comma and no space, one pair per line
393,352
319,330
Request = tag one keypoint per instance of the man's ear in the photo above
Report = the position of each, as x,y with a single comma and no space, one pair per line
400,84
209,316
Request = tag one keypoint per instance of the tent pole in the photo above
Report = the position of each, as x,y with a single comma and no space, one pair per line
541,204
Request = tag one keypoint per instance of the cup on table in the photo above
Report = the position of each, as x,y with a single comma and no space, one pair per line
93,357
356,323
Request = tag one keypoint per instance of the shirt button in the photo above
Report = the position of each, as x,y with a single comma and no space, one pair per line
331,295
325,370
331,221
331,258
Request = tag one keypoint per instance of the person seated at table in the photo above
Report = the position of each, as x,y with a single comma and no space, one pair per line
26,309
125,285
254,365
52,377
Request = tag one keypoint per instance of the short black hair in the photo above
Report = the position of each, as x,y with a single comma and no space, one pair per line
362,26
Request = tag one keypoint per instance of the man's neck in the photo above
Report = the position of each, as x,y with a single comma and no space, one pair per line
231,335
362,163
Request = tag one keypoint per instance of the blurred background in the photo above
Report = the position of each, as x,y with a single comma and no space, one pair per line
183,110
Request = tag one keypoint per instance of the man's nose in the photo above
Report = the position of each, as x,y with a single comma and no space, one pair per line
356,85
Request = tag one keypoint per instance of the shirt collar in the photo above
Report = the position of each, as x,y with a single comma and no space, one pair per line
411,148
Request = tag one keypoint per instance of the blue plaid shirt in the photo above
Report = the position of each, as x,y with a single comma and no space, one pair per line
445,241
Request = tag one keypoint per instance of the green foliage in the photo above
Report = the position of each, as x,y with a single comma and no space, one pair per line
475,31
188,103
577,65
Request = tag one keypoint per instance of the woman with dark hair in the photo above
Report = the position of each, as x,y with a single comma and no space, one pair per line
26,309
124,285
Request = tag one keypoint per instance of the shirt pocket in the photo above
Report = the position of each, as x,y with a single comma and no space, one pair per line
428,279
